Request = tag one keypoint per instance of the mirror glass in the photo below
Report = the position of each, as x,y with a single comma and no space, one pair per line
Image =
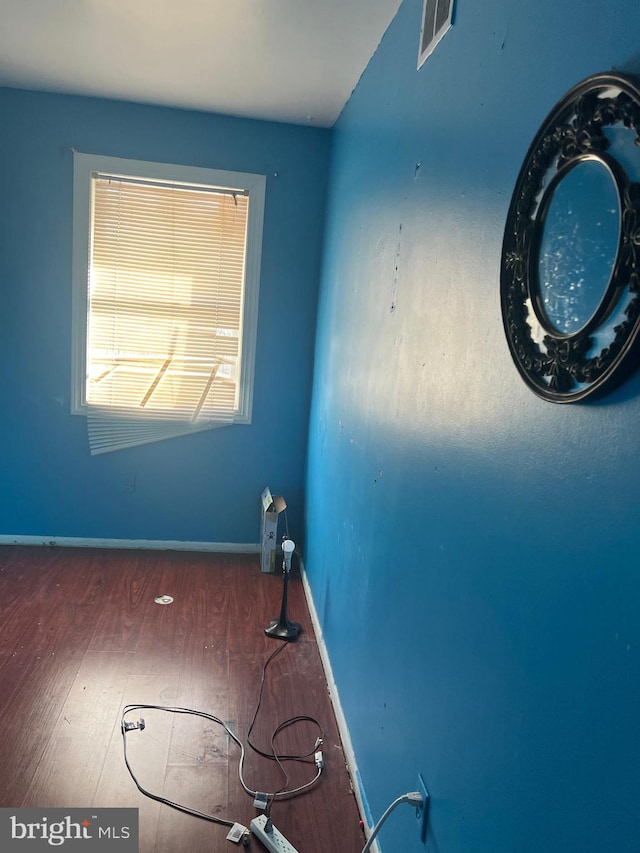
579,245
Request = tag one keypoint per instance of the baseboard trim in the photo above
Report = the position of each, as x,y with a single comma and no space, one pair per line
134,544
343,729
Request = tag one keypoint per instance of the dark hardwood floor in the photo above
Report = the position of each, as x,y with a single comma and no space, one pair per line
81,637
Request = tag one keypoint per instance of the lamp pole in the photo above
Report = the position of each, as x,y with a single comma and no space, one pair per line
282,628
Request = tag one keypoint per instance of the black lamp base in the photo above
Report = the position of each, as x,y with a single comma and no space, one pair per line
283,629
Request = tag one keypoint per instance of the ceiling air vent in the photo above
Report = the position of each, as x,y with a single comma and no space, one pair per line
437,17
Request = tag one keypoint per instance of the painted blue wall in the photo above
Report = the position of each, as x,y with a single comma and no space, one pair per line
204,487
473,551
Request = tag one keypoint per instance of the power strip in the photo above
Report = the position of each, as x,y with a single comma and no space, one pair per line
274,841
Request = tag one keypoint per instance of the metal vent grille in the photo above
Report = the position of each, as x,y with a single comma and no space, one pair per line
437,17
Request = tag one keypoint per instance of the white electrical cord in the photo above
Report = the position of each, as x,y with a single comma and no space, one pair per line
285,793
279,795
414,798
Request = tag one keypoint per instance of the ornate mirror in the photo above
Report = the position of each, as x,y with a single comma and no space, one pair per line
570,272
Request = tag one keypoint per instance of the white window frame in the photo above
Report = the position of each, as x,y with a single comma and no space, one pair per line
252,184
429,40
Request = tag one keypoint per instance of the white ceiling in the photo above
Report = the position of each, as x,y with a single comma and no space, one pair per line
285,60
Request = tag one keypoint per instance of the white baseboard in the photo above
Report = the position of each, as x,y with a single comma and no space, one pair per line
135,544
343,729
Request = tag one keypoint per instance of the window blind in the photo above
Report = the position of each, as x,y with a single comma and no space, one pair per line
165,308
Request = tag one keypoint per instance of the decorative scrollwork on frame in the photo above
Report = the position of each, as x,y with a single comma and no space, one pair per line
558,364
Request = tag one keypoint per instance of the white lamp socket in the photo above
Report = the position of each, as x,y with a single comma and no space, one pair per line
288,547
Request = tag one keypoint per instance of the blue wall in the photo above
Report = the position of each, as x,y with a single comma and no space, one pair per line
473,551
204,487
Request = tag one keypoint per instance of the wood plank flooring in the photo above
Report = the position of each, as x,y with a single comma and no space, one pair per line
81,637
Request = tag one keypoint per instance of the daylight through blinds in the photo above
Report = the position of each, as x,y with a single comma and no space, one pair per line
165,300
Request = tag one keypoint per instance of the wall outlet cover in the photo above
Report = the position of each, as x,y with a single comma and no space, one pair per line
422,813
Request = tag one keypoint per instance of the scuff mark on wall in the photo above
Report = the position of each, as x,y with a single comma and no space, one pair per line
396,273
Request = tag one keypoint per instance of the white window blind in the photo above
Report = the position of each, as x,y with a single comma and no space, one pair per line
166,308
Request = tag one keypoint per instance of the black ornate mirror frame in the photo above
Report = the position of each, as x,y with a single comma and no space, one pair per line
559,367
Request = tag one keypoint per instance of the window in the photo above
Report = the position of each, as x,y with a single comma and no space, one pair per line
166,276
437,17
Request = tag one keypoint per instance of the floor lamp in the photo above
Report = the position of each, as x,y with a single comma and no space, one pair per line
281,628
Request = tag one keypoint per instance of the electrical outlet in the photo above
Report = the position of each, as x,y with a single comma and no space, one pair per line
422,813
274,841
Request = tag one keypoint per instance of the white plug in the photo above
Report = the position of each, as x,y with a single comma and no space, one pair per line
238,834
